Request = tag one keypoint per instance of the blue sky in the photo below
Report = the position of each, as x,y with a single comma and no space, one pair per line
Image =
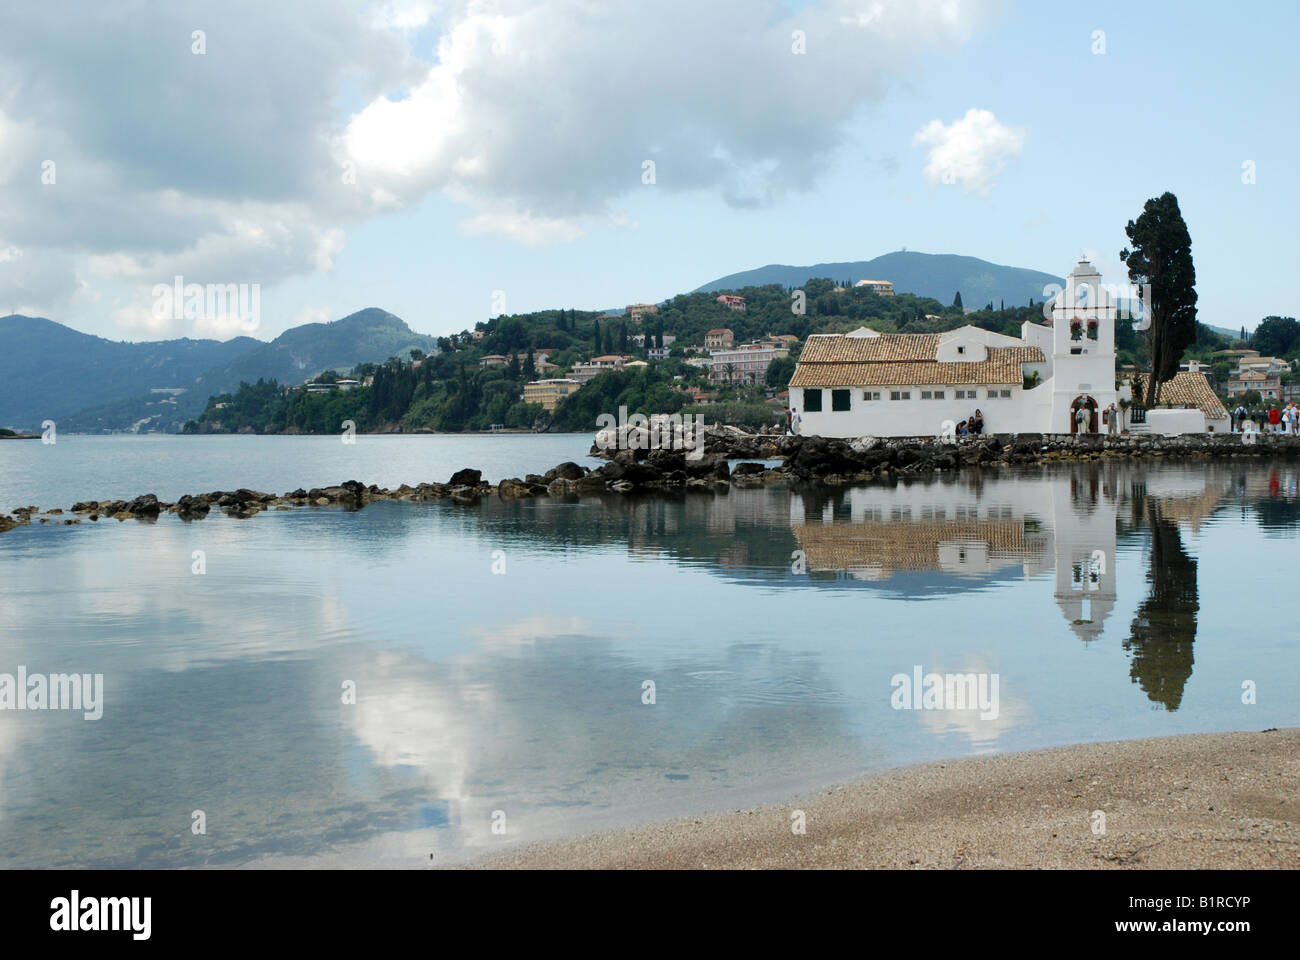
1183,95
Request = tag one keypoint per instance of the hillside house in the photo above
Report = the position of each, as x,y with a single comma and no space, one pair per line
548,393
744,364
582,372
884,288
719,339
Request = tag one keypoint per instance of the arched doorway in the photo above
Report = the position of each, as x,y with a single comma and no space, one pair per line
1091,405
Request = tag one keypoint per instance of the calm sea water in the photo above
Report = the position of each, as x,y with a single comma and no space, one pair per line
500,655
121,467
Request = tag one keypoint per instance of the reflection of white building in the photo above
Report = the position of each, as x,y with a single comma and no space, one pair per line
1032,526
868,383
1061,524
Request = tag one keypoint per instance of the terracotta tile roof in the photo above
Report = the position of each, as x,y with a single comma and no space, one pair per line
833,348
902,360
1003,368
1186,389
908,546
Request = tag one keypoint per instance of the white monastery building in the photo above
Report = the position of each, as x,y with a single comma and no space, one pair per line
867,383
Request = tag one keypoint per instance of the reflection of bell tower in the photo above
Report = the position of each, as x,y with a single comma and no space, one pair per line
1085,551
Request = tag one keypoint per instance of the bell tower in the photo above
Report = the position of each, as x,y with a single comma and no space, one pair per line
1083,316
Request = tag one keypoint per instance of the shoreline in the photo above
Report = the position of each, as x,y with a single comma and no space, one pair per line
1192,801
635,466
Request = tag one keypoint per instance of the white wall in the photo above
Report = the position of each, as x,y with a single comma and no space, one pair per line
1170,421
1024,411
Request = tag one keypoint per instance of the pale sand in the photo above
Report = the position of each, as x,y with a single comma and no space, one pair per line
1201,801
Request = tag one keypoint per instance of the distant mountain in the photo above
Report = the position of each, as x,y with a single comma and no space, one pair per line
1227,331
937,275
367,336
49,371
87,383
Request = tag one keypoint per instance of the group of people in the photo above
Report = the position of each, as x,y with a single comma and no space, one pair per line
972,426
1272,420
1110,419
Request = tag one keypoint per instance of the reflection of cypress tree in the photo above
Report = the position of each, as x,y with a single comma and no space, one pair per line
1165,625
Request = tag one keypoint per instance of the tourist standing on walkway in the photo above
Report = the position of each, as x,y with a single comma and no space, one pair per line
1112,420
1274,419
1081,418
794,421
1239,417
788,429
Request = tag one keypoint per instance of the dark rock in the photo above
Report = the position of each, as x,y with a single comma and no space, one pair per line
465,478
191,508
514,488
145,505
565,471
244,495
708,468
816,457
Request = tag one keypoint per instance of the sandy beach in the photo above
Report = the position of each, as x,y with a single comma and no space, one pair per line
1202,801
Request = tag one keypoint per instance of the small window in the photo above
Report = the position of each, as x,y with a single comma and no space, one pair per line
870,394
925,394
812,401
961,394
1005,394
961,349
840,400
993,394
938,394
907,394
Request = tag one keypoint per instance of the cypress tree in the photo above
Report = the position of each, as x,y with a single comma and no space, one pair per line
1161,255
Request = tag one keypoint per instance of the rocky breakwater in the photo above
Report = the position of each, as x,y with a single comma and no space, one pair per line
833,461
719,439
806,460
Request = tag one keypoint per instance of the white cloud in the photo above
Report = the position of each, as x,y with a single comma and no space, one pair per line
540,115
970,152
535,115
222,174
